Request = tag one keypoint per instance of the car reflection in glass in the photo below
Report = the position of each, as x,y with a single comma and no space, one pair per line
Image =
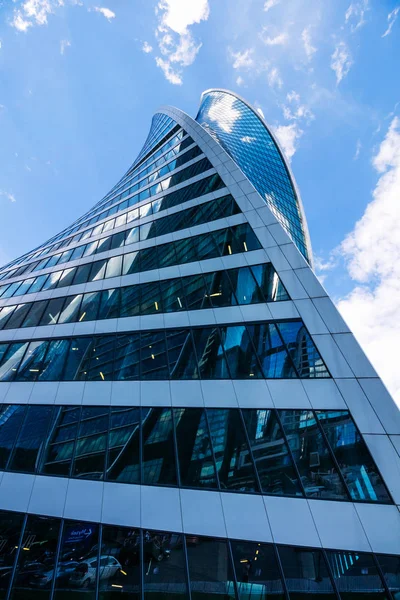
44,578
84,574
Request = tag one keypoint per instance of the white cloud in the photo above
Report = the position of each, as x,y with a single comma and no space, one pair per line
296,111
8,195
341,61
175,40
270,4
239,81
392,16
242,60
358,150
372,252
147,48
274,78
106,12
309,49
33,12
64,44
287,136
223,112
247,139
355,14
277,40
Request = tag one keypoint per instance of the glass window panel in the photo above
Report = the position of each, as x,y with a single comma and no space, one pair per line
272,353
270,452
130,301
164,566
184,250
10,291
153,359
11,418
210,355
35,314
127,357
90,448
306,573
10,531
66,278
51,281
98,270
3,350
240,353
269,283
25,286
167,256
148,259
89,307
123,461
196,463
145,210
172,295
147,231
158,447
59,449
101,359
196,293
131,263
302,350
234,464
210,569
77,563
82,274
91,248
121,220
78,252
77,356
118,240
390,566
53,363
52,311
31,438
114,267
38,283
119,563
246,289
356,464
108,225
355,575
109,304
132,236
104,245
257,571
181,356
205,247
133,214
71,309
5,314
150,300
220,289
317,470
53,260
31,365
17,317
11,360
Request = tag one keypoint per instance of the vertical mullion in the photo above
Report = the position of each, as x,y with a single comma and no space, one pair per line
280,568
260,490
233,570
328,566
21,537
175,443
56,559
296,470
382,576
212,449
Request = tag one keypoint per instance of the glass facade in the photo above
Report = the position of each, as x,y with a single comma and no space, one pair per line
55,559
244,136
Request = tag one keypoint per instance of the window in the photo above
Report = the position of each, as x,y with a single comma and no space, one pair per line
356,575
164,566
158,447
123,462
10,531
257,569
210,569
11,419
31,438
119,564
11,360
309,568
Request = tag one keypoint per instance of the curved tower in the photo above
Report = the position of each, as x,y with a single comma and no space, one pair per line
183,412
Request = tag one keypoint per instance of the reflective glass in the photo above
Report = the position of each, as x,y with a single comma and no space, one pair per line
53,363
89,307
10,531
35,314
82,274
31,439
390,567
164,566
17,317
52,311
11,360
271,454
31,365
219,289
109,304
5,313
58,453
181,356
239,352
71,309
127,357
210,569
172,295
306,573
119,564
302,350
246,289
356,575
272,353
153,359
114,267
257,572
123,462
210,355
358,469
269,282
76,355
158,447
11,419
90,448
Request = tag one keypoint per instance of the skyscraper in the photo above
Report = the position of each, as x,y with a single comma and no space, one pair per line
184,413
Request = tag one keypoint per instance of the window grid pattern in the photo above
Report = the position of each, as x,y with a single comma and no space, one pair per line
232,287
222,242
92,561
252,451
214,352
243,135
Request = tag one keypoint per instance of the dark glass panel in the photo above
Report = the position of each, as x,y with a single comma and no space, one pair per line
195,292
356,464
153,359
167,256
31,365
100,367
272,353
131,263
181,356
302,350
52,311
38,283
17,317
35,568
78,353
356,575
164,566
119,563
269,283
11,418
90,448
35,314
148,259
10,531
53,363
246,289
11,360
71,309
31,439
118,240
104,245
158,447
257,572
127,357
3,350
5,314
306,573
130,301
150,299
205,247
172,295
61,441
89,307
82,273
270,452
210,569
98,270
66,278
234,464
239,352
185,251
210,355
123,463
109,304
219,289
390,566
196,463
77,563
317,470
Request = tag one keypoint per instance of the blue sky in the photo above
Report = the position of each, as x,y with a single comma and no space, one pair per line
80,80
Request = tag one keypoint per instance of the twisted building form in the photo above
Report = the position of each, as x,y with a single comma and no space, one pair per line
184,413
